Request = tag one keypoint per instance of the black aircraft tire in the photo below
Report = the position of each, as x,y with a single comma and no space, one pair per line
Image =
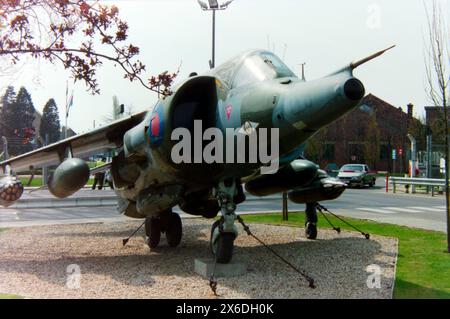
311,231
211,244
153,231
225,244
174,230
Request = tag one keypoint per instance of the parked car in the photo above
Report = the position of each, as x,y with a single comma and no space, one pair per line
356,175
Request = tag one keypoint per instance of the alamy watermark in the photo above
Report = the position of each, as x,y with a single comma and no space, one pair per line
256,150
374,16
374,279
73,280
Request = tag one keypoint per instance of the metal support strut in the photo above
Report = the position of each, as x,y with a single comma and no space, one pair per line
338,229
224,231
225,193
301,272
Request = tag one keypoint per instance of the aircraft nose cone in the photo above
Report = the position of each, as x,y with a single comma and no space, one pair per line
354,89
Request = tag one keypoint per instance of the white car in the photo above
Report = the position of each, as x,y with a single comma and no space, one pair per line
356,175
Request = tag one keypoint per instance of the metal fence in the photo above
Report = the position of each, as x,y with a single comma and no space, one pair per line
430,183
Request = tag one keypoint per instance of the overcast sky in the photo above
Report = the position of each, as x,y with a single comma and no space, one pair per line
326,34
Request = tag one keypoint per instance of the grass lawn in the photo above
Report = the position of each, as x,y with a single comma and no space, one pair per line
423,268
9,296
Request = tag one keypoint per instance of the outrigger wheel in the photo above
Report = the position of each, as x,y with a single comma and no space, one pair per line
174,229
311,221
311,230
222,246
153,231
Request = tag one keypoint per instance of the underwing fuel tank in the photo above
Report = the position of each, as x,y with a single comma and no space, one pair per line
297,174
11,189
322,188
69,177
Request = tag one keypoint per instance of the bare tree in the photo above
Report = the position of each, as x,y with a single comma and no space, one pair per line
437,60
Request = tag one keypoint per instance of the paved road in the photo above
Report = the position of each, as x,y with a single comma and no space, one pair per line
421,211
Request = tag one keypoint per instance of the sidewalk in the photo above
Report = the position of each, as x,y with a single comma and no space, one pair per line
85,197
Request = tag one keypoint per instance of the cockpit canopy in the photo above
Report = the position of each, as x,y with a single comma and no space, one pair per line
253,67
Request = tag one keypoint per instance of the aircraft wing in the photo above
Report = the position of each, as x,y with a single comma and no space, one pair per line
102,139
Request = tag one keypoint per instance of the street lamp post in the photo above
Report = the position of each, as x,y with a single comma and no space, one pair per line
213,6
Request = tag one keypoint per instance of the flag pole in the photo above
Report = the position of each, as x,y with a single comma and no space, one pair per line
65,126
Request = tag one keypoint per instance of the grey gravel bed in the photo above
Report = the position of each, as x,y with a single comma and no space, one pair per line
43,262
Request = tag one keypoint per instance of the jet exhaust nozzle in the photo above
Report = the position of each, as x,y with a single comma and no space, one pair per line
11,189
69,177
354,89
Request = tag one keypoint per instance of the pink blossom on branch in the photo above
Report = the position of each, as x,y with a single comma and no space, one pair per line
23,21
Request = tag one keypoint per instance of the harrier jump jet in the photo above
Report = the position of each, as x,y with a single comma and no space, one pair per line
255,91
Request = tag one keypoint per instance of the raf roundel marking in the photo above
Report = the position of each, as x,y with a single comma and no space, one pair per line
228,110
156,127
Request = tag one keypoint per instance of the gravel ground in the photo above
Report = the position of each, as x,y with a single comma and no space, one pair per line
34,263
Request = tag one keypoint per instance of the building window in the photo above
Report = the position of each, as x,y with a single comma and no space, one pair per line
384,152
328,154
356,152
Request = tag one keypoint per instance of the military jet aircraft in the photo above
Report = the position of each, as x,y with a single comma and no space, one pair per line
254,90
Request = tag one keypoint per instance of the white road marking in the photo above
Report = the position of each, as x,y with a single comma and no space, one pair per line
441,207
380,210
427,209
8,214
403,210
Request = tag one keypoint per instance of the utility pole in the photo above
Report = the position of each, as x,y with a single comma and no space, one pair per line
413,160
285,206
45,167
429,146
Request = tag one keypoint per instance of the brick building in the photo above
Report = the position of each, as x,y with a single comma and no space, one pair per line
368,135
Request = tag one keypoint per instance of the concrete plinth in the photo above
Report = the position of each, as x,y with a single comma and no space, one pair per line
204,267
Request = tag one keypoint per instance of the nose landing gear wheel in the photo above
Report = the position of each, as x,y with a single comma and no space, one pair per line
311,230
222,247
174,230
153,231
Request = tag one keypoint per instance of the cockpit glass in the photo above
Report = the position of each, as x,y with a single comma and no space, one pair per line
260,67
281,68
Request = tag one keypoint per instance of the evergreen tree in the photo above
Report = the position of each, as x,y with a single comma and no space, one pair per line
27,110
50,122
17,119
7,99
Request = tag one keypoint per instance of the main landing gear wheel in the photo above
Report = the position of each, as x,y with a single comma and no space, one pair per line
174,230
153,231
311,230
222,246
